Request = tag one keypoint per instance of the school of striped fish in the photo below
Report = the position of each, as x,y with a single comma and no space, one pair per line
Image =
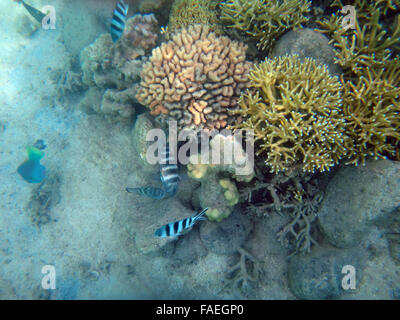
169,177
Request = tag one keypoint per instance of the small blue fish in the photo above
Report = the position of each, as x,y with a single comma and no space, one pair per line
150,192
169,171
31,170
177,228
118,21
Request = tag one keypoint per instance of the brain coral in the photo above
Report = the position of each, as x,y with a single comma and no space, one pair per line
294,109
195,78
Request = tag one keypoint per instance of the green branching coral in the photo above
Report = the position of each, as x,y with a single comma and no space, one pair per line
187,12
371,80
264,20
294,109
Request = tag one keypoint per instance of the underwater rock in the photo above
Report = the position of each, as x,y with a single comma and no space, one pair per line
307,43
187,188
319,275
228,236
357,198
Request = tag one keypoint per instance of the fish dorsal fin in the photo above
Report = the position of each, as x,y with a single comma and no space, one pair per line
34,153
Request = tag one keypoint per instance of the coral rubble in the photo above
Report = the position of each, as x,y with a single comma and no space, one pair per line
195,79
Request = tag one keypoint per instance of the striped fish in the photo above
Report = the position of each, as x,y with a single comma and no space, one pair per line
177,228
168,171
118,20
150,192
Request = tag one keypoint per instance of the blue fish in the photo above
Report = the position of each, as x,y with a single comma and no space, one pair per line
118,20
169,171
177,228
31,170
150,192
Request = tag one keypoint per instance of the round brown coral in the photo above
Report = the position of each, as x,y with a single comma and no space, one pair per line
195,79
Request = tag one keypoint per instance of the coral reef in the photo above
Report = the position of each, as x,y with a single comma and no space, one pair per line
187,12
219,195
195,79
294,108
263,20
245,273
371,81
114,69
143,125
217,191
295,194
225,154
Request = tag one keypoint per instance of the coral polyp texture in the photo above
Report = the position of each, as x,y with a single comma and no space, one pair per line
187,12
294,109
195,79
265,21
112,71
371,81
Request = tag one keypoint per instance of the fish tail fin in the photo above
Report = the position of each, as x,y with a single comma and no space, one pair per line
200,215
34,153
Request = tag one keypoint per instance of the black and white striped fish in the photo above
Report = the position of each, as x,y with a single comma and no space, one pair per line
178,228
169,171
150,192
118,20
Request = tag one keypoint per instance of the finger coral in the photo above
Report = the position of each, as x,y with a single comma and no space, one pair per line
294,109
371,81
263,20
195,79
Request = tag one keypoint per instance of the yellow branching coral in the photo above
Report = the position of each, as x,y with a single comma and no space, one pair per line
266,21
371,80
369,45
294,109
187,12
371,107
195,79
